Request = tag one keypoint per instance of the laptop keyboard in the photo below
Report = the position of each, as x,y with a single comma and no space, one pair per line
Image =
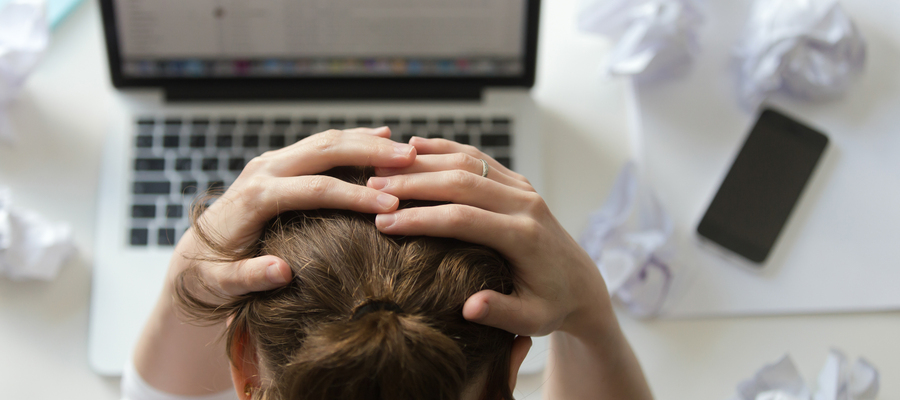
176,159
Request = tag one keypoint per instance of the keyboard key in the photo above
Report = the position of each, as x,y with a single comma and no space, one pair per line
254,127
227,126
500,121
171,141
156,187
236,164
283,121
435,135
143,211
463,138
144,141
183,164
200,121
336,123
446,121
189,187
223,141
145,126
166,237
139,237
365,121
215,186
473,121
251,141
391,121
419,121
276,141
198,141
504,161
146,121
174,211
210,164
199,126
173,121
255,121
149,164
495,139
309,121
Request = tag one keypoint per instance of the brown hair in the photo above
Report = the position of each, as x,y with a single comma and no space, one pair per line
366,316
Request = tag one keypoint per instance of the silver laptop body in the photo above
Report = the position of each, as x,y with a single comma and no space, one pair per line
190,115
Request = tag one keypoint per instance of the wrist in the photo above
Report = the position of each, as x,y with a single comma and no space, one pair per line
593,316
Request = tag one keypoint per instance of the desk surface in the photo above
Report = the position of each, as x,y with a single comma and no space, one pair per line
61,117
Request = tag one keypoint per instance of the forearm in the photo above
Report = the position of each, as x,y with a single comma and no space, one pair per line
177,357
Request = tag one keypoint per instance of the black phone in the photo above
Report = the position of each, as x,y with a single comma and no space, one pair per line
763,186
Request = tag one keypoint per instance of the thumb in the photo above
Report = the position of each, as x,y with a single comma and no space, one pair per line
511,313
256,275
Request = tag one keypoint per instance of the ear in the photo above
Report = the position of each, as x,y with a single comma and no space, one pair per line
520,347
244,366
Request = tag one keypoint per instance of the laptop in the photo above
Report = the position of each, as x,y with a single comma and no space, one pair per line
206,85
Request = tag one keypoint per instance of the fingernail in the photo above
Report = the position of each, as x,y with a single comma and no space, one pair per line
377,183
386,201
274,274
402,149
385,220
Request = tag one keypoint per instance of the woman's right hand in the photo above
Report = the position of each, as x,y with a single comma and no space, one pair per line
283,180
558,286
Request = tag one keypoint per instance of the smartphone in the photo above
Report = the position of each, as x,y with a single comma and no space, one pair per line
756,198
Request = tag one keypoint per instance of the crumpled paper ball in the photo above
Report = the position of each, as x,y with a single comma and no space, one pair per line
629,238
838,380
24,35
809,49
654,39
31,248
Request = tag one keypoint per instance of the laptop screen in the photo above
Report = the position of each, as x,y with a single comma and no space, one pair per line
319,38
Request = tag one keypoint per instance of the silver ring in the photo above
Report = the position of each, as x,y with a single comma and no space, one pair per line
484,168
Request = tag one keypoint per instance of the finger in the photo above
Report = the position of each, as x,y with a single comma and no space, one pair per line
334,148
253,275
517,314
444,146
455,186
382,131
466,223
310,192
446,162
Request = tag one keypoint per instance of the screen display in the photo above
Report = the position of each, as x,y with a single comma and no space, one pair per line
321,38
764,183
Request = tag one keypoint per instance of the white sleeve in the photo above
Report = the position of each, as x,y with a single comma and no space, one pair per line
135,388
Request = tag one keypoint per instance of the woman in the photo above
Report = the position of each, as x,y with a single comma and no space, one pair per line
558,289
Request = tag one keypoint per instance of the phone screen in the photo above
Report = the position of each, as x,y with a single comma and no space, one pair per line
763,185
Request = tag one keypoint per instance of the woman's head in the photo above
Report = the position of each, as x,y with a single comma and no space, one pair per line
366,316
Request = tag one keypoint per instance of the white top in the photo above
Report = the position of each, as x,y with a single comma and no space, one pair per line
135,388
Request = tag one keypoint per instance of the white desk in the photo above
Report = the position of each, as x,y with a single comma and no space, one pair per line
61,120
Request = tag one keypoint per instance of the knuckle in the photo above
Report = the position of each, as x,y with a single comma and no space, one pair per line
460,216
528,230
327,140
462,180
463,161
317,185
534,203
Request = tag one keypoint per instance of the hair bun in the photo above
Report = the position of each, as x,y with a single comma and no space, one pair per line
375,305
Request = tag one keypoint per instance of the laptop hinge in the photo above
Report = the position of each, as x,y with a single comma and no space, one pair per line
329,91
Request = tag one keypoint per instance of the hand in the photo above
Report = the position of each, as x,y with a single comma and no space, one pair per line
558,287
283,180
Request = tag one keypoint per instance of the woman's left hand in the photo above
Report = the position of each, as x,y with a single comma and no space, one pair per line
558,286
